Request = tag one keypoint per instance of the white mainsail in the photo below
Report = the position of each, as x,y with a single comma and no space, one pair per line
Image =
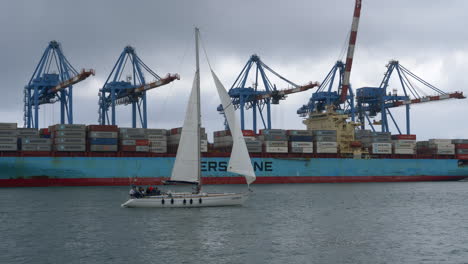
186,166
240,160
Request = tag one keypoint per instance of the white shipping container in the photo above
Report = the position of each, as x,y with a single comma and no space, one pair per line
326,145
446,151
442,146
42,147
276,149
29,147
157,137
102,134
404,151
36,141
7,126
69,134
8,133
404,141
382,151
70,147
142,148
8,140
323,150
440,141
302,150
128,142
275,143
300,144
76,127
404,145
158,143
381,146
70,141
8,147
204,148
158,149
129,130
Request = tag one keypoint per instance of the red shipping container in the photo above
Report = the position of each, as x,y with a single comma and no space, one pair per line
461,146
404,137
248,133
142,142
104,128
44,131
127,148
462,156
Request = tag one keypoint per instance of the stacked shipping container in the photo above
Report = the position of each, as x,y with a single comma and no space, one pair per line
103,138
274,140
8,137
69,137
325,141
301,141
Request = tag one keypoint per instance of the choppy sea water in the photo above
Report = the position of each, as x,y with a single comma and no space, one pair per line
425,222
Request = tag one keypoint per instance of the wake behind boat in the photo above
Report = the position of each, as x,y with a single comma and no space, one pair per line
187,164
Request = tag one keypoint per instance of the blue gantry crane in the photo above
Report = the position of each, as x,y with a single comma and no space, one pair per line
330,93
371,101
52,81
130,90
251,97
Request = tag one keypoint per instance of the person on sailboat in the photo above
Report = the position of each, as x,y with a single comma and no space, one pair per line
134,193
149,190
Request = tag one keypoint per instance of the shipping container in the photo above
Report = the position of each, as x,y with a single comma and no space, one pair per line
299,133
298,144
301,138
8,147
62,147
103,128
100,148
103,134
70,141
275,143
8,126
404,137
8,140
276,149
103,141
69,134
68,127
8,133
324,132
46,141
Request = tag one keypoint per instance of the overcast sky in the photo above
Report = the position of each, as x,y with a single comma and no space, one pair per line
299,39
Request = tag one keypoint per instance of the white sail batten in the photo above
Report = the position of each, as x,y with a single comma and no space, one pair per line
187,159
239,162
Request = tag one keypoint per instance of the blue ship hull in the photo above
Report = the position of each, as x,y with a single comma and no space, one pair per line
56,171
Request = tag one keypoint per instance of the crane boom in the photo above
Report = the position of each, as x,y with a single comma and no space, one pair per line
425,99
288,91
163,81
76,79
350,53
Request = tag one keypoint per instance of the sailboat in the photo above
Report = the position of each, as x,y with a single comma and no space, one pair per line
187,167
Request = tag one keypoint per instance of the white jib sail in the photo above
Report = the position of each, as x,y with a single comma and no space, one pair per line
240,160
187,158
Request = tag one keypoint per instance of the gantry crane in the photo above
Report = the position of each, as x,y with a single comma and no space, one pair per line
131,90
342,98
379,100
52,81
252,97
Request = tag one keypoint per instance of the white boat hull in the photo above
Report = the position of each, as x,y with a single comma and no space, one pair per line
188,200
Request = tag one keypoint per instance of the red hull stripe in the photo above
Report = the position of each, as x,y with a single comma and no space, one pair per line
45,182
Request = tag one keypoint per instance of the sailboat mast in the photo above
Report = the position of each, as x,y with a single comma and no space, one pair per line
197,72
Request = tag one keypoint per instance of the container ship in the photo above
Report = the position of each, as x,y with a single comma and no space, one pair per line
335,146
80,155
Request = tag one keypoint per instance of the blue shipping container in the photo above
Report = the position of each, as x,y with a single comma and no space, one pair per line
103,141
301,138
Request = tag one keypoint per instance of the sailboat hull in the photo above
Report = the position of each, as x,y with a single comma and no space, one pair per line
188,200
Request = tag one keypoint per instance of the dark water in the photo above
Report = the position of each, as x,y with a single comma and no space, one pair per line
292,223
